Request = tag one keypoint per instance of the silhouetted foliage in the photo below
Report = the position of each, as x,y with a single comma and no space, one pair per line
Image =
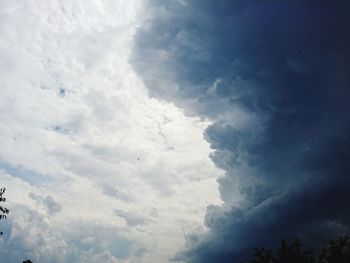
337,251
3,210
262,255
27,261
285,253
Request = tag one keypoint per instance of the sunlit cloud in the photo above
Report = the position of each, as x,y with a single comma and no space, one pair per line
96,170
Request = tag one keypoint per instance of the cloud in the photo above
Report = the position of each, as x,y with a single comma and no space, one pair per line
35,236
111,191
130,219
48,202
80,137
272,78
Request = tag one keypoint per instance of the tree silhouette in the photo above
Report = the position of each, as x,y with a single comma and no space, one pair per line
293,253
285,254
262,255
3,210
337,251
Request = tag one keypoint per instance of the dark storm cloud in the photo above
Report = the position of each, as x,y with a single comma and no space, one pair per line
273,76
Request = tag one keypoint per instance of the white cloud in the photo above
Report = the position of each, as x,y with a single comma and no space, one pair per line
79,131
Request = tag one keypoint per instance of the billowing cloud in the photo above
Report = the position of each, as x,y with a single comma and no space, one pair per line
49,203
130,218
273,78
32,236
80,137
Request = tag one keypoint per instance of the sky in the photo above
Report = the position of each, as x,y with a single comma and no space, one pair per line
95,169
172,130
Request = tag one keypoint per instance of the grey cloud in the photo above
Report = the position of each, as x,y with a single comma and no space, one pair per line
125,196
273,78
51,205
29,235
48,202
94,239
130,219
24,174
